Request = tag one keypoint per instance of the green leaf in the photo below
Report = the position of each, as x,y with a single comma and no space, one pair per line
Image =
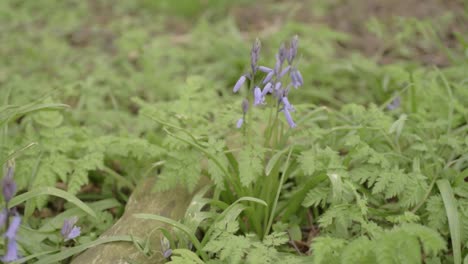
68,252
250,165
273,161
54,192
183,228
184,256
453,218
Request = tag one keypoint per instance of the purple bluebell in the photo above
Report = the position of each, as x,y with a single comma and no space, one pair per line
69,230
293,49
264,69
278,64
289,119
267,89
3,217
239,84
394,104
268,77
296,78
286,103
284,71
11,252
258,97
13,228
166,247
240,122
8,184
278,86
282,53
167,253
254,55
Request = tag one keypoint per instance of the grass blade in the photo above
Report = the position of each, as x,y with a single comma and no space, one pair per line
33,256
273,161
66,253
183,228
54,192
453,218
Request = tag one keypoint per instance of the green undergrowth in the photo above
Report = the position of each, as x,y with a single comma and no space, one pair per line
96,96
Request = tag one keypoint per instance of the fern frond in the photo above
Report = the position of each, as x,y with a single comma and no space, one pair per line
183,167
327,250
250,165
317,196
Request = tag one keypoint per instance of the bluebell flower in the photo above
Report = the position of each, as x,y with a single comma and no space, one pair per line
277,66
258,97
289,119
239,84
284,71
13,228
267,89
8,184
268,77
394,104
240,122
287,108
278,86
166,247
3,217
11,252
282,53
293,49
254,55
264,69
69,230
286,103
296,78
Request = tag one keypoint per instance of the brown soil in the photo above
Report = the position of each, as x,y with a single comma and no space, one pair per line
352,17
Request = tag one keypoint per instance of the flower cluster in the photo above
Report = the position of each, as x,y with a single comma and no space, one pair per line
9,218
274,80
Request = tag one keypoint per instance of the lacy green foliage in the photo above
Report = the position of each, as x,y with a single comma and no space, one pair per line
364,175
181,169
367,172
250,165
401,245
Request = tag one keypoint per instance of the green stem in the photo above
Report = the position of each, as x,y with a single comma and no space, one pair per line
275,203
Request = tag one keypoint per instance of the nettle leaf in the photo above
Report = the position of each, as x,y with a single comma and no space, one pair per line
182,167
250,164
